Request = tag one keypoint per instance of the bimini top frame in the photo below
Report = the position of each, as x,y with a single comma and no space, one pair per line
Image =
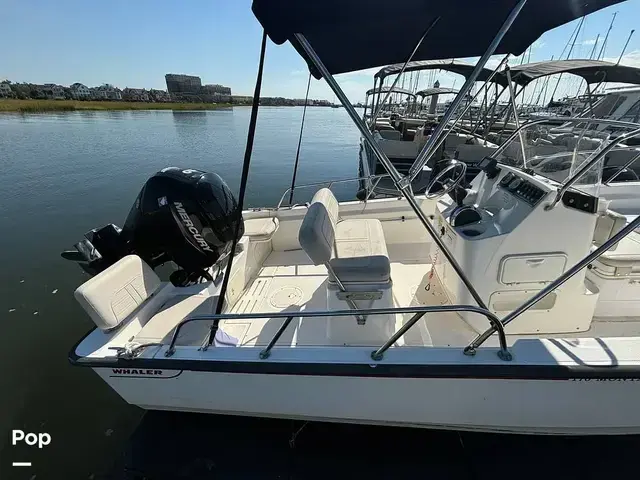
318,33
453,66
376,91
591,71
428,92
463,28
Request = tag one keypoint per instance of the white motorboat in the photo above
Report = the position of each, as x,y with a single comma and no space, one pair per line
512,305
403,139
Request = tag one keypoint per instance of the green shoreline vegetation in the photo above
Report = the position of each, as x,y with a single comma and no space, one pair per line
37,106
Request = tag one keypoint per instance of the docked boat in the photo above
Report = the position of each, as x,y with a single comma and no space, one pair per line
474,138
510,305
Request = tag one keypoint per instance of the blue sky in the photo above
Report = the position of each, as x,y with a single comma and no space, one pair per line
133,43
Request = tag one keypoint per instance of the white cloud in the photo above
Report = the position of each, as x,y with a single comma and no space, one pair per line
632,59
591,41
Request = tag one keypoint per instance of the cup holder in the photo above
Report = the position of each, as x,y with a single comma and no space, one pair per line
473,232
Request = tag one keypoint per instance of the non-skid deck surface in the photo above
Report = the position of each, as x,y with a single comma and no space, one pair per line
287,282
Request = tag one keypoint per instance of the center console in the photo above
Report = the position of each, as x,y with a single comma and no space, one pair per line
515,249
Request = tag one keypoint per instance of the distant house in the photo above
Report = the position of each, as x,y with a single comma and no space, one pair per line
216,93
49,91
5,90
80,91
159,95
242,99
106,92
135,95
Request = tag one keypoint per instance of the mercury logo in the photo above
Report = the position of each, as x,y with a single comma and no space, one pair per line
197,236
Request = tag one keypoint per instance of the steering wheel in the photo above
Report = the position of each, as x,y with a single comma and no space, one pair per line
458,169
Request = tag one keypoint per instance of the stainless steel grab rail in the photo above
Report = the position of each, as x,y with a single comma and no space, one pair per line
419,311
329,183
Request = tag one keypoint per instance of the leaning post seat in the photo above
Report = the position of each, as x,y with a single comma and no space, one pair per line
114,294
355,254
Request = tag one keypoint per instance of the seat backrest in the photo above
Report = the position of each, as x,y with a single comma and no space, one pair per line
607,225
390,134
112,295
317,232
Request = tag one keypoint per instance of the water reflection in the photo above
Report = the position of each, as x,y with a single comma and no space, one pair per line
189,117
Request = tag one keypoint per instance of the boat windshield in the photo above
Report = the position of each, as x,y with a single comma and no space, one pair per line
558,153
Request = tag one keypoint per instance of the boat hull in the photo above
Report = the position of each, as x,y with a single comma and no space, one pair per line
575,406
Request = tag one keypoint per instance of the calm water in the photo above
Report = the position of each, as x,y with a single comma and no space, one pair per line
63,174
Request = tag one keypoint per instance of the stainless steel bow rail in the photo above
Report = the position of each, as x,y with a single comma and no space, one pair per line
377,355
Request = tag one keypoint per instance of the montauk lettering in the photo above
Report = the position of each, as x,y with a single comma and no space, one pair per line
612,379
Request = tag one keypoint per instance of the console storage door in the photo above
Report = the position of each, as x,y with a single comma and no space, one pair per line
531,268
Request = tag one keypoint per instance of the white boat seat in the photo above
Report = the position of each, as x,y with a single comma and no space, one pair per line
261,229
390,134
115,293
360,253
354,249
160,327
607,225
473,153
624,259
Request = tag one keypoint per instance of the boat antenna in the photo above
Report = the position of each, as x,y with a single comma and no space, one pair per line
243,188
295,167
606,37
625,47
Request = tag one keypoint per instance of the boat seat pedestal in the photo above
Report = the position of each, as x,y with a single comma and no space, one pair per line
355,253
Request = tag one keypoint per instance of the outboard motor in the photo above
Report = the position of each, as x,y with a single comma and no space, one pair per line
185,216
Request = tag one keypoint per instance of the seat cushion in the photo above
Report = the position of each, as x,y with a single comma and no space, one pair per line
359,238
360,253
371,269
607,225
317,232
627,253
261,229
160,327
112,295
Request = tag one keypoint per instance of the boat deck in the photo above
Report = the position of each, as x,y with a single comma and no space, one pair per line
288,281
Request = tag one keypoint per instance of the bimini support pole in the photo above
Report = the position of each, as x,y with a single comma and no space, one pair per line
515,115
243,188
430,147
403,184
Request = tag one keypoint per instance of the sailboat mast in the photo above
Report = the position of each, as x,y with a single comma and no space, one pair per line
625,47
573,44
593,50
604,43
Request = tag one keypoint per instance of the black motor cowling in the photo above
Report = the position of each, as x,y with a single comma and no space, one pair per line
184,215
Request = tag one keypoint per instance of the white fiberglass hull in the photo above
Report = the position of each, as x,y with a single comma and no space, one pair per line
576,406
